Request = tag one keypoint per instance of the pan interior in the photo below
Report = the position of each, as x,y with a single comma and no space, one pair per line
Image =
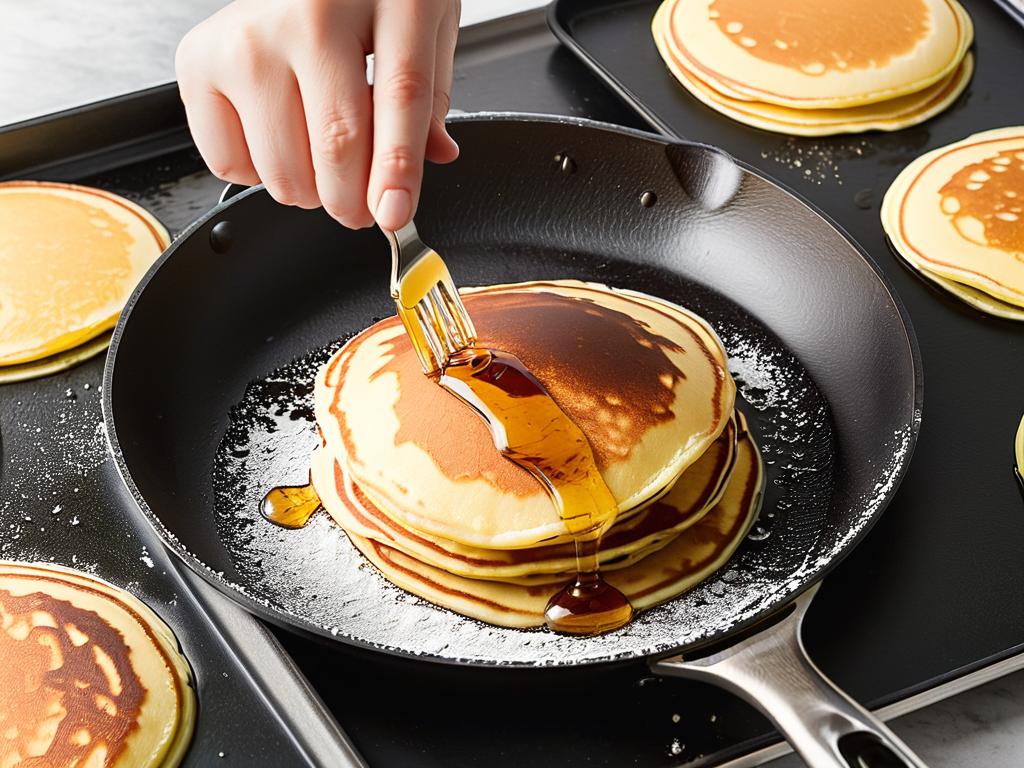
209,411
317,574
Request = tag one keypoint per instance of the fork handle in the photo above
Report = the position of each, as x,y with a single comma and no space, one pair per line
406,247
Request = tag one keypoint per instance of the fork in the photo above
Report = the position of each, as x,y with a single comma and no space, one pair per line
428,302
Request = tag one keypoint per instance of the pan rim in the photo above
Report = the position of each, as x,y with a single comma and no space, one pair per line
291,621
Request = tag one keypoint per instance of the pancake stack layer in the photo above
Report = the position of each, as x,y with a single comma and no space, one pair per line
70,256
1018,449
956,216
90,677
818,67
413,477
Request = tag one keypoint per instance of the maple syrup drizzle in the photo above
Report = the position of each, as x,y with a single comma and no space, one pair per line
531,430
290,506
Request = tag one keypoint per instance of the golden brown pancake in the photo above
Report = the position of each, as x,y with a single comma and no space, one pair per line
412,475
957,215
91,676
969,295
972,296
889,115
69,258
696,492
688,559
644,380
814,37
817,55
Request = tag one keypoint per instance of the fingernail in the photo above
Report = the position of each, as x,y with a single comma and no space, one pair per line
394,209
454,143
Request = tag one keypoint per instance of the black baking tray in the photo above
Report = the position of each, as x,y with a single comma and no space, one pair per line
936,591
911,613
61,500
930,597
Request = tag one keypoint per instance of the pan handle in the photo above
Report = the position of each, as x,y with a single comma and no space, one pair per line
771,670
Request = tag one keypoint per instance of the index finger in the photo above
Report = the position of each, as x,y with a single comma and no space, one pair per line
404,43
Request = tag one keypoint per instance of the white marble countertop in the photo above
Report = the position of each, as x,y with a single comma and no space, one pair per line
49,56
981,728
49,62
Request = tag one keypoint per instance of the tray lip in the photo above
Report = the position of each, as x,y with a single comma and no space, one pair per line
67,147
556,24
77,110
302,625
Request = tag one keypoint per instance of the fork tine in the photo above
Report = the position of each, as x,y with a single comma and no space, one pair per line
444,322
428,324
440,301
414,329
462,322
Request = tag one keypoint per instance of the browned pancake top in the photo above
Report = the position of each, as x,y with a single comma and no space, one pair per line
815,36
609,373
992,192
81,666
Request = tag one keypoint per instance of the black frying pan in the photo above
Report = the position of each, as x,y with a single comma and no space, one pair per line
206,394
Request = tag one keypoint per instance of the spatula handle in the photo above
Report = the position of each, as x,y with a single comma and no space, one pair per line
772,671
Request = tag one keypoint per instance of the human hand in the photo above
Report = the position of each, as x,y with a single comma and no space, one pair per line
276,92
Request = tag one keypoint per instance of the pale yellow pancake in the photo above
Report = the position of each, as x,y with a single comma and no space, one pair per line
69,258
889,115
645,380
690,558
382,504
91,676
973,297
696,492
979,300
61,361
824,54
958,213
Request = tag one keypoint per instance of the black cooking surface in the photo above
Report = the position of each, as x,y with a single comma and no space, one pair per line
910,607
937,584
61,501
933,589
405,713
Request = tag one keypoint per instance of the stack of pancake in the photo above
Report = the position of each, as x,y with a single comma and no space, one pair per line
89,675
956,216
818,67
413,477
69,258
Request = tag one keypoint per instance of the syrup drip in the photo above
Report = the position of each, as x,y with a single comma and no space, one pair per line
588,605
290,506
531,430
